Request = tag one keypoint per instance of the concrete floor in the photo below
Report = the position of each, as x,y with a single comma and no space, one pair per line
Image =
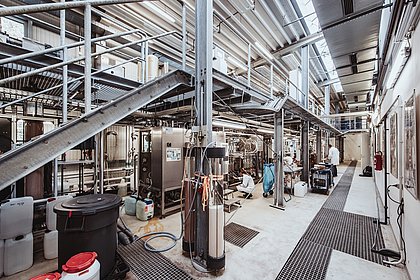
264,256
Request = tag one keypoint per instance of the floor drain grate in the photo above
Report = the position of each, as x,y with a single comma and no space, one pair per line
337,199
239,235
308,260
346,232
333,229
147,265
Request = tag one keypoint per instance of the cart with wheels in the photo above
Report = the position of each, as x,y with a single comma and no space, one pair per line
321,180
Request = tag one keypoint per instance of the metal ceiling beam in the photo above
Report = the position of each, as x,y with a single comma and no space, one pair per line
311,39
328,82
352,114
356,64
21,161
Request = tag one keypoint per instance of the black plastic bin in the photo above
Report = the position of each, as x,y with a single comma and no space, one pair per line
88,224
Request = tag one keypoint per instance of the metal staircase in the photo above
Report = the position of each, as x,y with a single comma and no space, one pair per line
20,162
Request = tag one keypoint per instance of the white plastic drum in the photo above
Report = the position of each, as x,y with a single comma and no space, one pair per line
83,266
16,217
18,254
51,217
51,245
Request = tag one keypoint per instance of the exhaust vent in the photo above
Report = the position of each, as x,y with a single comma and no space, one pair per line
348,7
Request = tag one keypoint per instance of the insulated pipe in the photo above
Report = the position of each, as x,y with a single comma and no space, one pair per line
40,70
37,8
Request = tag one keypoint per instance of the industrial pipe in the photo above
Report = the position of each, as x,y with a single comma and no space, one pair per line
37,8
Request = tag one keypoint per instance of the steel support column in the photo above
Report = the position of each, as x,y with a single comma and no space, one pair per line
184,36
278,160
271,80
64,57
305,76
305,103
101,161
327,101
249,64
305,150
319,145
88,57
203,100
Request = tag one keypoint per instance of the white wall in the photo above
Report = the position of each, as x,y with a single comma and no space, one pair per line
406,84
352,147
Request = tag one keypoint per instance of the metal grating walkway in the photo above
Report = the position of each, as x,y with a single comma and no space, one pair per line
346,232
337,199
308,260
239,235
333,229
146,265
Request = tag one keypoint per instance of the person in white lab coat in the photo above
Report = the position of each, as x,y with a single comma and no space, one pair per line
247,186
334,158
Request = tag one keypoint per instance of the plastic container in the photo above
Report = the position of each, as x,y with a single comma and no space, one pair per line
1,257
300,189
130,205
144,209
48,276
152,67
18,254
51,217
16,217
122,188
83,266
51,245
88,223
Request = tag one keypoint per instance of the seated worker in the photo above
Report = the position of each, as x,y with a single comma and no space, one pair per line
288,160
247,186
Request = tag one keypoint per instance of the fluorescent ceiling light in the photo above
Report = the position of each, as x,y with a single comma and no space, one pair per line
236,63
159,12
396,66
227,124
267,131
263,50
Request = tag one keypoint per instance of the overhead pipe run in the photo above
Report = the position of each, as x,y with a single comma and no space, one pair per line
37,8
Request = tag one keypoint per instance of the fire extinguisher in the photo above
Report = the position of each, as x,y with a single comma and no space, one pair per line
378,161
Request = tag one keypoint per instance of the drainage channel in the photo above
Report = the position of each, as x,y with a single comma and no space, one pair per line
332,229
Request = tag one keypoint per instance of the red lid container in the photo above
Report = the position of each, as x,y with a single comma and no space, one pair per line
48,276
80,262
